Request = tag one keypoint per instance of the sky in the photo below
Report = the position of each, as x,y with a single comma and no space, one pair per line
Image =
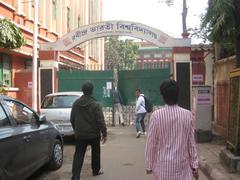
155,14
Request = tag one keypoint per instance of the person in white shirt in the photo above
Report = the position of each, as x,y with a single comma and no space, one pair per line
140,113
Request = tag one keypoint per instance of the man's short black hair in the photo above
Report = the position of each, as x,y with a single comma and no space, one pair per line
87,88
139,90
169,90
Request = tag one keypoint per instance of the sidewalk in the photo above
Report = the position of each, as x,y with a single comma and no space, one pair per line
209,160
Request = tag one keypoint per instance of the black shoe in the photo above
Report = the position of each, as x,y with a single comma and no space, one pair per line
122,124
75,178
98,173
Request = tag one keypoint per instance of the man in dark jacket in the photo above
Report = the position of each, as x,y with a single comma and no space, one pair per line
88,123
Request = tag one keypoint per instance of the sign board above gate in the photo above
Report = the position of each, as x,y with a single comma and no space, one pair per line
114,28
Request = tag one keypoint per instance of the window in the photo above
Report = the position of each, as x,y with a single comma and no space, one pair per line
63,101
5,70
28,64
4,121
21,113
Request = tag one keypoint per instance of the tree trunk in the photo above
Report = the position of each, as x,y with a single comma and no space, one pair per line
185,34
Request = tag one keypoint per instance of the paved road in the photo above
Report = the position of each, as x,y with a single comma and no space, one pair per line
122,159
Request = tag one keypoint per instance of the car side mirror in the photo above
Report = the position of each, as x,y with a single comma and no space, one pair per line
42,118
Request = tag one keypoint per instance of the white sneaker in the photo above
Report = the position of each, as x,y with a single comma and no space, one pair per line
145,133
138,134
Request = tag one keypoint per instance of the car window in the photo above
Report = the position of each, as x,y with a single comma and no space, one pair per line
4,121
60,101
21,113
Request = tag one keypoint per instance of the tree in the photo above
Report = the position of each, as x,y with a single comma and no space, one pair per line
185,33
10,35
119,52
222,22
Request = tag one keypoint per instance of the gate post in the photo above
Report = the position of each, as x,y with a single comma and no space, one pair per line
48,80
183,75
115,87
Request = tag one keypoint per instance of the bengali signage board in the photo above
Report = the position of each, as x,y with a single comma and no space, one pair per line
113,28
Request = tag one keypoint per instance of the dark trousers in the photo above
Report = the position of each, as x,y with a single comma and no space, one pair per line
80,150
143,123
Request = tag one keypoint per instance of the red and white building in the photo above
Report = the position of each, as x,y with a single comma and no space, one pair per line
55,18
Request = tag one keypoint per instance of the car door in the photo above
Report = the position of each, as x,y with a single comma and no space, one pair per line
36,137
12,151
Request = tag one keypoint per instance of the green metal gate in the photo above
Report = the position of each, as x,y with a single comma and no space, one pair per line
148,80
102,81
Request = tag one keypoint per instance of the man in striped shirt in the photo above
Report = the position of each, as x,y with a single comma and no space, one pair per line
170,152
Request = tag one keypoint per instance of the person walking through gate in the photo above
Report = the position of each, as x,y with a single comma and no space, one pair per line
118,107
88,124
140,113
170,152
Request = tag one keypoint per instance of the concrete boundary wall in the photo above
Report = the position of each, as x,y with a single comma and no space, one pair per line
222,94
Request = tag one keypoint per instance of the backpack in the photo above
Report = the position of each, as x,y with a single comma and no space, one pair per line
148,104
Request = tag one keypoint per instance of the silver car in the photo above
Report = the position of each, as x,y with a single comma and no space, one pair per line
57,109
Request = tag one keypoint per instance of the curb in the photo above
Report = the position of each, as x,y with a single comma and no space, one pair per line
210,171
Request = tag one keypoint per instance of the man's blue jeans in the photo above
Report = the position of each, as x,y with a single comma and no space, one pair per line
139,119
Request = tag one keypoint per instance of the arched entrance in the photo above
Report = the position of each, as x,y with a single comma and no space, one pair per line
181,48
114,28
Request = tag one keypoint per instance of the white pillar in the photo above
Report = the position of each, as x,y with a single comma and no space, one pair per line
51,16
86,50
35,55
19,7
60,18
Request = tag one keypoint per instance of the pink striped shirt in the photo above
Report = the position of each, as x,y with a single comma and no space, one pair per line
170,148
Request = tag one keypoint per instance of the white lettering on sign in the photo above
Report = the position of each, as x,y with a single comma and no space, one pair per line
197,78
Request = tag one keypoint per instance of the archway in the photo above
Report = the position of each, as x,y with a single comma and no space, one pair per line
181,47
114,28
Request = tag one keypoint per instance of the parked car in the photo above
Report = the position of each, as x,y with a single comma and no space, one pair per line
57,108
27,141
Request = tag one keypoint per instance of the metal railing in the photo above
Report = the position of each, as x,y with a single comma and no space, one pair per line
129,115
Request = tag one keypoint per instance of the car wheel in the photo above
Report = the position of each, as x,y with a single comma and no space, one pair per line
57,156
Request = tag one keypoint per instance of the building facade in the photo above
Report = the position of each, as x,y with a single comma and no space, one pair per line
202,64
55,19
152,57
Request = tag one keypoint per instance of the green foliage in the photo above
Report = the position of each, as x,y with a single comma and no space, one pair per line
10,35
222,25
119,52
219,20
